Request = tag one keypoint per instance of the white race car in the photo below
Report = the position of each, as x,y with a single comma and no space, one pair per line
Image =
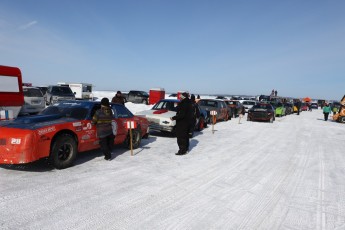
160,114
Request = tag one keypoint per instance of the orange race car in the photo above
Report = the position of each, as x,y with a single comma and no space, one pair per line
61,131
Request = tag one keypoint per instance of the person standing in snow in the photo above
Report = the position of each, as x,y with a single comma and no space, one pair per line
326,111
103,120
196,114
118,98
241,114
183,118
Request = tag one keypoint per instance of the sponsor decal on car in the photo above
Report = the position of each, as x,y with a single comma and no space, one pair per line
85,137
46,130
75,124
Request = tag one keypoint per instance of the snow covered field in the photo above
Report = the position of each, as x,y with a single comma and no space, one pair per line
253,175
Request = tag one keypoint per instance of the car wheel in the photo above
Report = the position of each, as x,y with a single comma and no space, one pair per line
205,122
63,151
226,118
136,139
342,119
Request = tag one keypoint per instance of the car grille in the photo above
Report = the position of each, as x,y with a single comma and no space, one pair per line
158,127
153,121
260,115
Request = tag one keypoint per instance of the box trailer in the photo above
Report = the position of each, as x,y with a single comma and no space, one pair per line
82,91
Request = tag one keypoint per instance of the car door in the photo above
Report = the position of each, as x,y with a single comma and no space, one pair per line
121,116
222,110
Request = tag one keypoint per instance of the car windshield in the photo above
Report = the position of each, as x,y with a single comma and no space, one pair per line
168,105
207,103
231,102
62,90
32,92
249,103
261,106
74,112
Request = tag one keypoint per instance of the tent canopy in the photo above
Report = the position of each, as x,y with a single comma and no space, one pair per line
307,99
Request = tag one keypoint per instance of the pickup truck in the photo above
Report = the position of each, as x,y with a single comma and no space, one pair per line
136,96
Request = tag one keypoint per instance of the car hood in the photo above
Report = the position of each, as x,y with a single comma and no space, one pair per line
156,113
35,122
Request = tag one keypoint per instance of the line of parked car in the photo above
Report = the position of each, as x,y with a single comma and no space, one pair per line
37,98
63,129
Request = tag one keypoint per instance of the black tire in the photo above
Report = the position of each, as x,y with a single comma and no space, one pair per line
342,119
136,139
226,118
205,122
63,151
201,124
271,120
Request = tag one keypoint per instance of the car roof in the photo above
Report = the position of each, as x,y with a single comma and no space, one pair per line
30,87
170,100
210,99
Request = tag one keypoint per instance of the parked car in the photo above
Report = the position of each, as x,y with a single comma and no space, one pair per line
235,107
288,108
248,104
136,96
160,114
62,130
33,101
304,107
56,93
43,89
314,105
261,112
221,97
280,110
217,105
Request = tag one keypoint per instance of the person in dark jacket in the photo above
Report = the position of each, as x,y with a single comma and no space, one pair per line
196,115
118,98
184,116
103,119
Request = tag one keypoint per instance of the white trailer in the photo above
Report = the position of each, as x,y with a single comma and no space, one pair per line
82,91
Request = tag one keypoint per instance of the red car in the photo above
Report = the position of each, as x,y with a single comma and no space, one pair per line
61,131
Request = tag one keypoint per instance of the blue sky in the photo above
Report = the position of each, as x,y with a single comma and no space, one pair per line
206,47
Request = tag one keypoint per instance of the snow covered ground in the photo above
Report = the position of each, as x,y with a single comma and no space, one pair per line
253,175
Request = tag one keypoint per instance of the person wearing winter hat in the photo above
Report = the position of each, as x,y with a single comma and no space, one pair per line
183,117
118,98
102,119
